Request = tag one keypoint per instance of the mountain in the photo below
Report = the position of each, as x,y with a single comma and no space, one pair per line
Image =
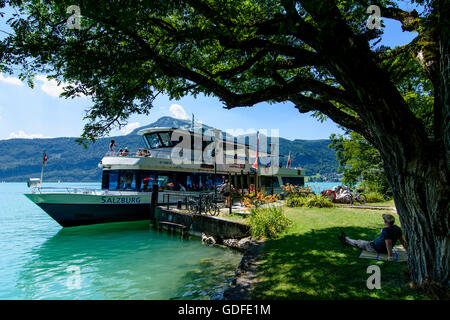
68,161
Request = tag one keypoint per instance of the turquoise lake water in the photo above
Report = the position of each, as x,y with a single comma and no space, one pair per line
41,260
319,186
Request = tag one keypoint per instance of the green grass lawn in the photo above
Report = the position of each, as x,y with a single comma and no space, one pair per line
309,262
389,203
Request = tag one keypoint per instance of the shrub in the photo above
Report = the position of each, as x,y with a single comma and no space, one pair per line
316,201
374,196
268,222
310,201
295,200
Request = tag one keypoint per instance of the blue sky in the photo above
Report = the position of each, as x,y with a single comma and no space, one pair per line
39,112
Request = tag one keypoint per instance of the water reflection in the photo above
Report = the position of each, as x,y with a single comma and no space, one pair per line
125,261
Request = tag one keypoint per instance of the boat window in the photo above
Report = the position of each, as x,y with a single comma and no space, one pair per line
165,182
205,182
110,180
269,181
209,182
165,139
159,139
245,182
276,183
252,182
186,181
147,181
127,180
296,181
153,140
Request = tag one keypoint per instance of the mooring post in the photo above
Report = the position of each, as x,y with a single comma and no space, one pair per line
154,201
231,191
168,201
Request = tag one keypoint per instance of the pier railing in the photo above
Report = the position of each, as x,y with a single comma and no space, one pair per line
203,202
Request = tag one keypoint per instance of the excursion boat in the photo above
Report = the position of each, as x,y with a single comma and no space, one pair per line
128,178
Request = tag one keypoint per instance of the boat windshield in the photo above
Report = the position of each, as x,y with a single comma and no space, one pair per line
158,140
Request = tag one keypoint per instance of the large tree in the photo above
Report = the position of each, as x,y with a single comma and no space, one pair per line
318,54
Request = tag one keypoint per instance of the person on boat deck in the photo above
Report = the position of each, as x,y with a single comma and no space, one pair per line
146,153
383,243
145,184
112,145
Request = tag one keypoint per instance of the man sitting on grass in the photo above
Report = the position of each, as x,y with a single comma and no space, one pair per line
383,243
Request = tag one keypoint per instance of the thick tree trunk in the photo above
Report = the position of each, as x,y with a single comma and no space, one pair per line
416,165
421,195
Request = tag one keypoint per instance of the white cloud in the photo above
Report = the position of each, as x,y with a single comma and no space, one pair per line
50,87
22,135
178,111
130,127
11,80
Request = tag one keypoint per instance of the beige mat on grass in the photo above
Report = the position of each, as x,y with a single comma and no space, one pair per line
400,255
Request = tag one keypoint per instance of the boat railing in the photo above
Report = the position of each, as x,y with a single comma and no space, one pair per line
157,153
75,190
78,190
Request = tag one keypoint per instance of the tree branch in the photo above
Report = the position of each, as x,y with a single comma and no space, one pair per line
307,104
226,74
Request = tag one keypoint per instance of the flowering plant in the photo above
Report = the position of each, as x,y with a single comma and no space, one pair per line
256,199
290,189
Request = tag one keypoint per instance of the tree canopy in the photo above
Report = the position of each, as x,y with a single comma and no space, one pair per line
244,52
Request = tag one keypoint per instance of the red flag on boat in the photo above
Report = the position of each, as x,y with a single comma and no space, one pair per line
288,165
45,158
255,165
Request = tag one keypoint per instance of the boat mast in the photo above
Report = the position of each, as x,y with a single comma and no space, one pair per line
44,159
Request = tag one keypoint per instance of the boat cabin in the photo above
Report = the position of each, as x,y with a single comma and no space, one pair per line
140,171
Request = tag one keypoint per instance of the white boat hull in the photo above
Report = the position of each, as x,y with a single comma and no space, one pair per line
75,209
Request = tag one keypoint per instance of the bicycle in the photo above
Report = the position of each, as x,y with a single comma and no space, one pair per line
206,204
211,205
359,197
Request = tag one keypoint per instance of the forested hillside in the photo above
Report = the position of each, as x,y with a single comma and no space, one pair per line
70,162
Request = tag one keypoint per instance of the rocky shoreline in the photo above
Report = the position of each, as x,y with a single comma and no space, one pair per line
239,244
246,274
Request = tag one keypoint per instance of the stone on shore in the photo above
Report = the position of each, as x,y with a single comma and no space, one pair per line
208,239
243,243
232,243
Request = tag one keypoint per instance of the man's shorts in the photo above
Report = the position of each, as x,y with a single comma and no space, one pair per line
365,245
